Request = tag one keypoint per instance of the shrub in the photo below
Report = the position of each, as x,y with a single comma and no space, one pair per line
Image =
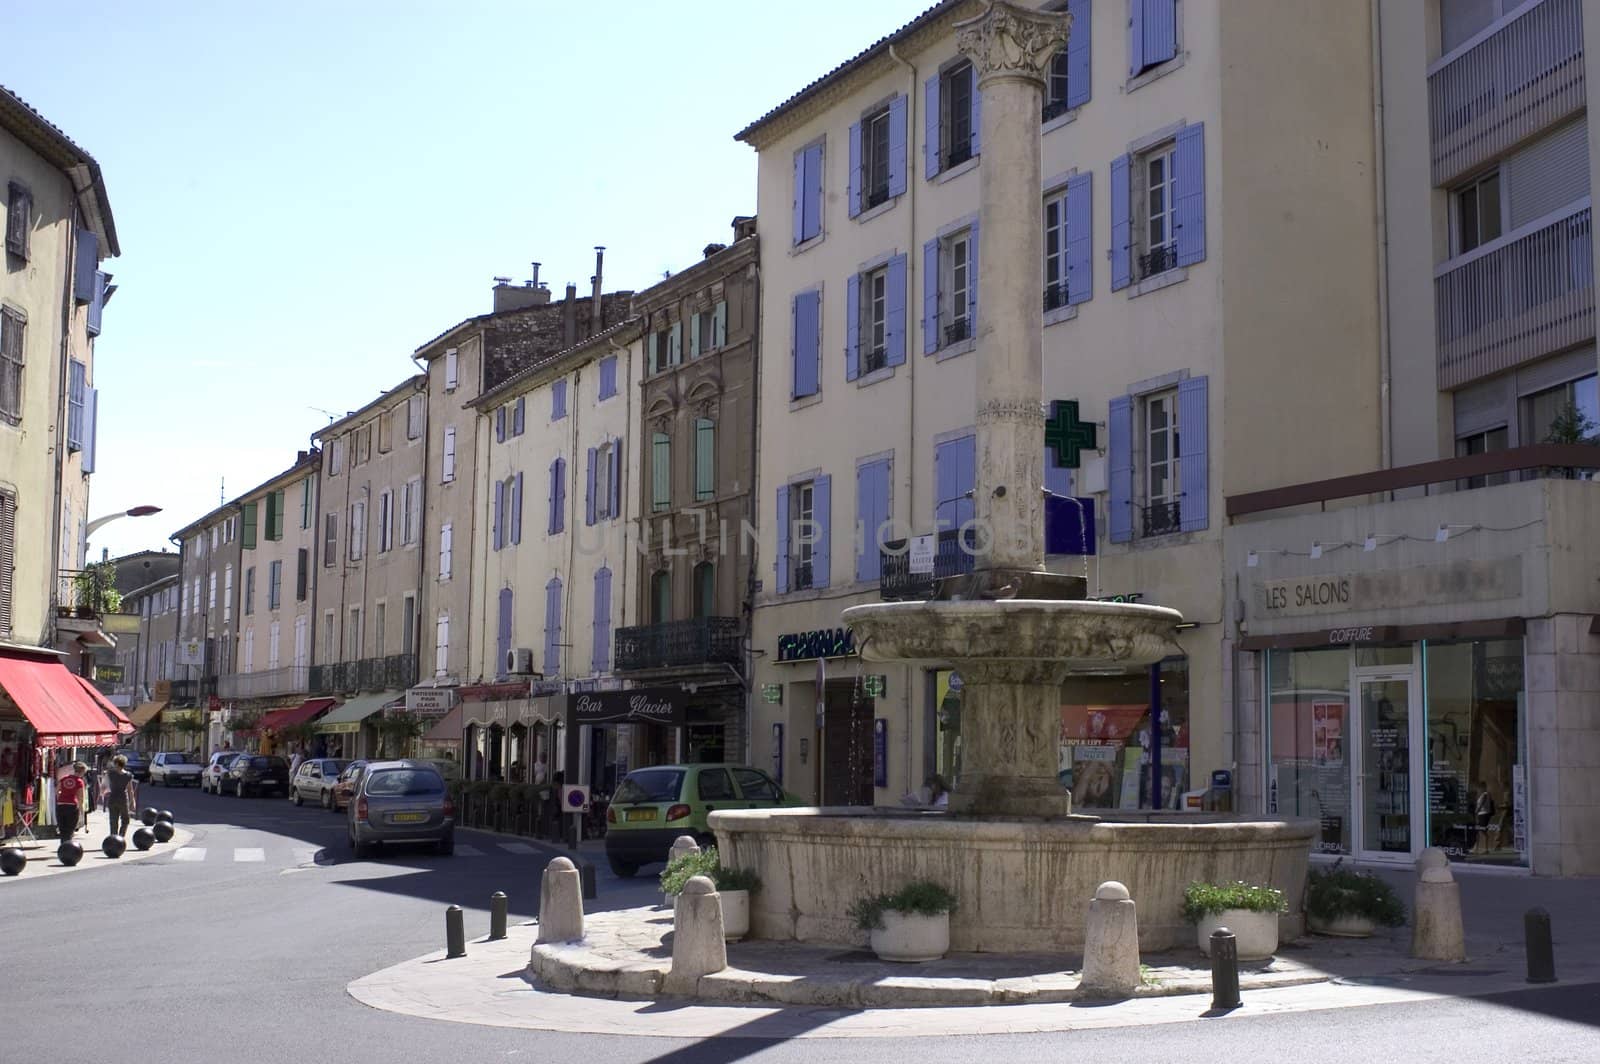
1338,892
922,898
1203,899
686,866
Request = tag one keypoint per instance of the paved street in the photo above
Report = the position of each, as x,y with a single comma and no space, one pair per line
253,931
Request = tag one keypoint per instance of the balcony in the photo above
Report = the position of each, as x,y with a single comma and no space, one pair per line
1525,295
392,673
268,683
190,692
1163,518
679,644
896,581
1521,75
1055,296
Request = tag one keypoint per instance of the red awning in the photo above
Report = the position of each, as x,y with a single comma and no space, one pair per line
280,719
119,718
55,703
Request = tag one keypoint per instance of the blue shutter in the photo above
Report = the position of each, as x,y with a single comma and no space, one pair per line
814,191
1120,466
897,146
561,495
615,480
954,469
97,304
552,525
853,203
930,127
500,424
83,271
800,195
516,509
822,517
966,455
601,636
807,325
91,410
973,273
930,297
519,418
852,327
503,633
1121,225
588,495
872,510
1135,36
499,512
1078,52
781,562
552,627
1160,31
895,312
977,107
1189,170
1080,238
1195,507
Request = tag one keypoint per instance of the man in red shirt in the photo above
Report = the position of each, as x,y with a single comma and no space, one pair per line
69,791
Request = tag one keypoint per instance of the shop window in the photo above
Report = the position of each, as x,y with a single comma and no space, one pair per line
1567,413
1477,807
1307,775
1114,754
1483,443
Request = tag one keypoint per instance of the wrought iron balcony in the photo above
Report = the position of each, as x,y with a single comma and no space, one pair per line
957,153
952,556
957,330
1163,518
268,683
192,691
1055,109
1055,295
1158,260
873,194
800,575
395,672
676,644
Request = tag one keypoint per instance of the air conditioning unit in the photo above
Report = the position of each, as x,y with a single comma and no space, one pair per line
519,662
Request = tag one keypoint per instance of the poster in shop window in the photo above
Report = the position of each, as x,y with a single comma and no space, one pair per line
1327,733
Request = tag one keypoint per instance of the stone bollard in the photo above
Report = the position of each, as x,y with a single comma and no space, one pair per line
1111,943
1436,933
560,902
698,947
681,845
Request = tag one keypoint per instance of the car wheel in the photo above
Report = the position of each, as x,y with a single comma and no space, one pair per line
327,800
622,869
295,798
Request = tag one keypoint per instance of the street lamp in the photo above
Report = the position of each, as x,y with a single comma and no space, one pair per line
137,511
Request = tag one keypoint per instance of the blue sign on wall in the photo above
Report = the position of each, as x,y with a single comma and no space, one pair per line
880,752
1068,525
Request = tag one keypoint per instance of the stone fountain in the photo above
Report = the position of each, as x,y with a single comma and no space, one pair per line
1022,866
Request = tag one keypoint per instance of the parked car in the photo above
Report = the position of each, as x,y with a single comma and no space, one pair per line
315,779
175,769
258,774
137,764
653,806
401,802
216,771
344,787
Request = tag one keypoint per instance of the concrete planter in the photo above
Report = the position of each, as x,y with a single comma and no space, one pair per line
735,914
1347,926
1255,934
911,937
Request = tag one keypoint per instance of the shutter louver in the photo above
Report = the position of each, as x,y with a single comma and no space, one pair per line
1080,239
853,201
601,636
780,564
930,128
1121,224
895,313
930,297
588,494
1079,49
898,137
8,558
1189,206
822,517
1119,464
1195,507
852,327
806,338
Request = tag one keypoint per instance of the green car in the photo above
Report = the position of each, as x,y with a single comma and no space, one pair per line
655,805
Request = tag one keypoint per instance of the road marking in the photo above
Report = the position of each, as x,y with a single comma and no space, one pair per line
463,850
518,847
249,853
189,853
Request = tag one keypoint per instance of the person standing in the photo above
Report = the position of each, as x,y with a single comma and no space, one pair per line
69,792
294,765
121,791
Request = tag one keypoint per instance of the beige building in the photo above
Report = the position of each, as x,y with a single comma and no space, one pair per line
1209,278
58,231
148,661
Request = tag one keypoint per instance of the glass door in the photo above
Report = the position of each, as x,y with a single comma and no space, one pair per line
1388,827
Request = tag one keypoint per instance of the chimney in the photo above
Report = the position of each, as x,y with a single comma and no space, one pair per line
569,317
596,319
534,282
508,296
744,225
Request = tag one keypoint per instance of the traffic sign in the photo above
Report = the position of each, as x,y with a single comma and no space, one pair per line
575,798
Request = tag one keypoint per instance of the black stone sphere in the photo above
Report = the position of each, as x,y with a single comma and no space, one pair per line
69,853
113,847
12,861
144,838
163,831
147,815
165,814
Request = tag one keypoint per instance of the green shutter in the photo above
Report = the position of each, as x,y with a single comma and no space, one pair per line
694,336
269,527
719,324
705,463
248,537
675,344
305,503
661,472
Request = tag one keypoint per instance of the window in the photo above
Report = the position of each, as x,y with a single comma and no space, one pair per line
558,496
705,459
274,529
249,652
1162,488
659,345
302,573
272,645
194,597
874,310
1567,413
385,433
1056,83
227,593
497,515
215,533
1056,284
19,210
302,646
12,359
807,193
500,424
603,494
705,590
250,591
1477,212
77,381
305,503
410,510
1483,443
1158,218
1160,245
807,339
660,596
956,290
608,377
408,624
513,532
330,632
519,415
211,593
352,646
451,367
330,539
335,457
275,585
873,177
660,472
952,101
385,521
441,645
1461,20
445,534
358,530
802,513
414,417
552,628
1152,34
447,459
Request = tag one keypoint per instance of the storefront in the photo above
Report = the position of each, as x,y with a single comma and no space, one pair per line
274,730
349,730
609,733
48,718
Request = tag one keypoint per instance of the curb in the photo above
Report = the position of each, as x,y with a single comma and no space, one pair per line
39,855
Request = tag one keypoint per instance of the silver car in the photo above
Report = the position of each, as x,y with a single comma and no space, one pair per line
175,769
314,780
401,802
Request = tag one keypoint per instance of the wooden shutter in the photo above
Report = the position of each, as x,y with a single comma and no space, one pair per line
19,205
897,145
301,573
500,424
8,558
895,312
1079,209
719,325
813,200
85,266
503,633
552,628
1079,49
1121,223
271,500
614,504
91,428
499,514
247,536
77,373
974,268
675,344
977,108
853,201
448,461
694,335
822,516
519,415
660,472
800,195
852,327
560,515
705,462
1189,204
872,510
516,509
1193,481
588,493
780,564
930,128
930,296
807,329
1119,464
601,634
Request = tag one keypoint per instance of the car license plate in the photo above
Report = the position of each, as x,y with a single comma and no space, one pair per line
641,814
408,818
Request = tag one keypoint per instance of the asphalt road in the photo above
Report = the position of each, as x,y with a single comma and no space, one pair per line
242,953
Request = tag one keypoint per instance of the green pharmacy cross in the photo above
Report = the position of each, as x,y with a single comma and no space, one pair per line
1066,435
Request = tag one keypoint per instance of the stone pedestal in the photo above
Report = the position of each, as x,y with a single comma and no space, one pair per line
1436,930
1111,943
1010,724
560,902
698,946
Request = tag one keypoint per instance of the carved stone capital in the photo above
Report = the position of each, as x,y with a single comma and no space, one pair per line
1008,41
1012,410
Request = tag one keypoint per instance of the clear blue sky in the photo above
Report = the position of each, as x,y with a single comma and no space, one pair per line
306,192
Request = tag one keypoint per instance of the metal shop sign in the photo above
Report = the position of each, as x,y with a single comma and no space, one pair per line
643,705
823,643
431,701
772,694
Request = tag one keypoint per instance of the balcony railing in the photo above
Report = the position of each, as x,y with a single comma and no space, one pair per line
1157,260
957,330
390,673
1526,295
1055,296
1521,75
952,556
192,691
268,683
675,644
1163,518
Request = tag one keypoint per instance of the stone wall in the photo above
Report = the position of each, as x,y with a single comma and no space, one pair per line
1563,732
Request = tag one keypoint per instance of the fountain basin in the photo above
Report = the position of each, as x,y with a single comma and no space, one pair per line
1022,885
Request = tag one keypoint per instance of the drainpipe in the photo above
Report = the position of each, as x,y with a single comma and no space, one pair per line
913,271
1385,357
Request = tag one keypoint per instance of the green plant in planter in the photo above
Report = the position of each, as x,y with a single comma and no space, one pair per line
686,866
921,898
97,588
1203,899
1340,892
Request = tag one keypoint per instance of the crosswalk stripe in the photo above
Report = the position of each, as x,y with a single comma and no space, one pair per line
517,847
249,853
463,850
189,853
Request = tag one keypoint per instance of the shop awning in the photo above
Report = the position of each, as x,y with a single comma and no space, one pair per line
280,719
146,712
348,717
447,730
120,719
60,710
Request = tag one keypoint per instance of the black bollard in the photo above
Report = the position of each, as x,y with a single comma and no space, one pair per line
586,876
455,933
1224,970
497,916
1541,949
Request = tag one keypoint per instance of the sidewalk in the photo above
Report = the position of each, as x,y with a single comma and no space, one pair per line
42,854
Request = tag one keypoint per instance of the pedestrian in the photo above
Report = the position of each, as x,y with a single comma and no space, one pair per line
541,769
69,792
294,764
122,790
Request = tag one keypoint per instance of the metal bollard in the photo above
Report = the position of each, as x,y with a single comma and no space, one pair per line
1541,949
1224,970
497,915
455,933
587,875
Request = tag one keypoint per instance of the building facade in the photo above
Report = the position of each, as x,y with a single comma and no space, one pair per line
208,576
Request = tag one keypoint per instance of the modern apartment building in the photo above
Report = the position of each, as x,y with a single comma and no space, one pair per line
1209,292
